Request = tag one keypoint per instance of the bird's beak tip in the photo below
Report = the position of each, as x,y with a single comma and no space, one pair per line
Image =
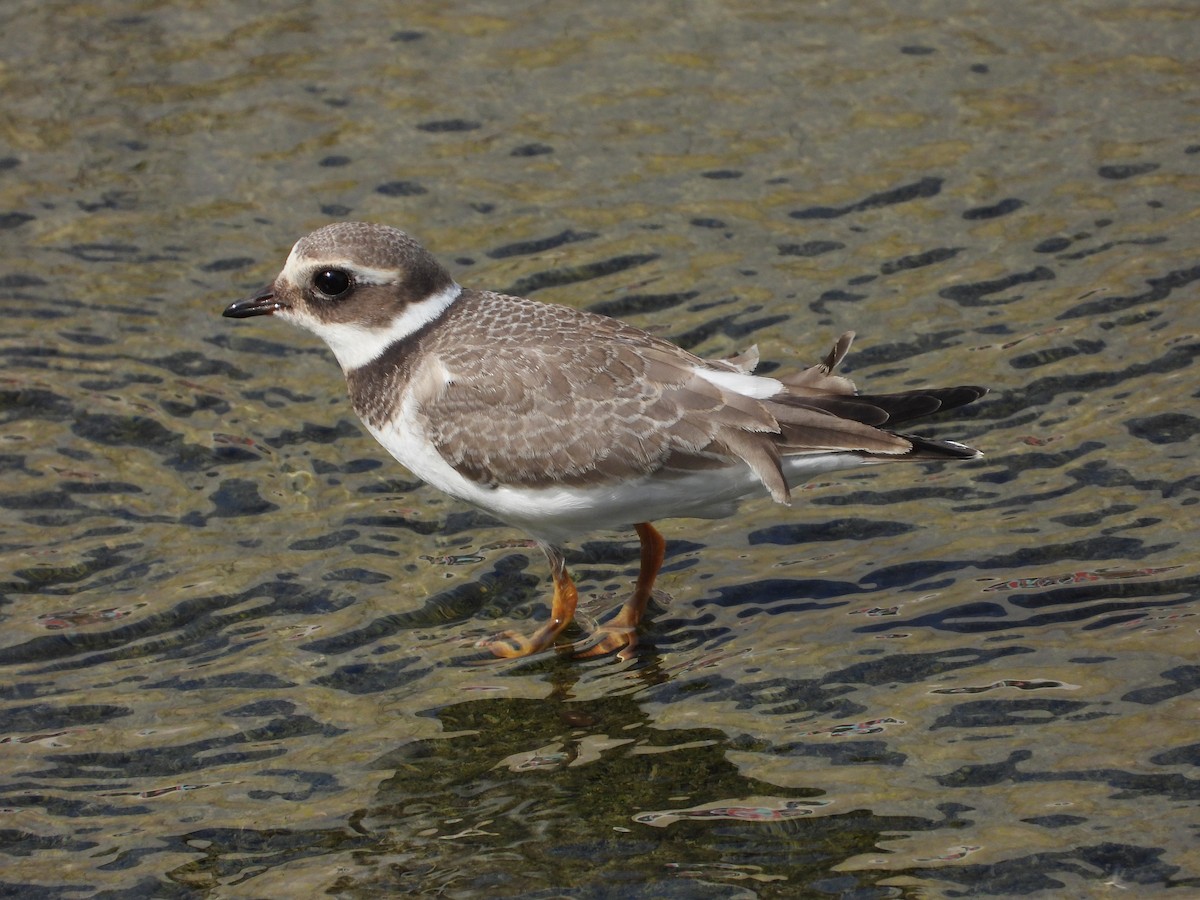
261,303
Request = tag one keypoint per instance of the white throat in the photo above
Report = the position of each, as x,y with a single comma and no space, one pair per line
356,345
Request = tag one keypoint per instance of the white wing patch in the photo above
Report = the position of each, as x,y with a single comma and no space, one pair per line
757,386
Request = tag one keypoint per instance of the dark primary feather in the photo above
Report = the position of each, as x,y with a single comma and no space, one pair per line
891,409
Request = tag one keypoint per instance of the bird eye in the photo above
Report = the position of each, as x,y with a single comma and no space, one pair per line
331,282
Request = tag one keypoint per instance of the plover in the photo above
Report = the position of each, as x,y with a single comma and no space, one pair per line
560,421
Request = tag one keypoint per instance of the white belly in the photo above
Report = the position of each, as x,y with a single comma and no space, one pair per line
557,514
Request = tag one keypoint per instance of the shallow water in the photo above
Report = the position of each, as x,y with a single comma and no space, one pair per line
238,645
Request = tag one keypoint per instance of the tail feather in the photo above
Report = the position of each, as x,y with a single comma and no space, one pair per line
822,411
819,380
822,416
929,448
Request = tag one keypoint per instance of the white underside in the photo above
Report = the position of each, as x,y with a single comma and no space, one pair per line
557,514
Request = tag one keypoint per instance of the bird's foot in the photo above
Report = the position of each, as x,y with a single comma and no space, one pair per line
509,645
611,638
514,645
605,639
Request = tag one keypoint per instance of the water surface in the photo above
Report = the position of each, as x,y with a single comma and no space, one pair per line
238,646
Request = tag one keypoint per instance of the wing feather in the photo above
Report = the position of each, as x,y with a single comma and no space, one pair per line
522,401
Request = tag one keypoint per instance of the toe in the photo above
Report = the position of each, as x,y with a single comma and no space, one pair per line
607,640
507,645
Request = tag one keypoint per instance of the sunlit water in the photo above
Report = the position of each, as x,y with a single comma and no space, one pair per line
238,646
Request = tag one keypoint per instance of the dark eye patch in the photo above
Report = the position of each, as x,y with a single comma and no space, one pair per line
332,282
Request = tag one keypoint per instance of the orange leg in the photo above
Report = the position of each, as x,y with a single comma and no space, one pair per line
621,632
562,611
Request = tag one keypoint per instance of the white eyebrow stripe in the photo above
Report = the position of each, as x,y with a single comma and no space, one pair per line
363,274
297,270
